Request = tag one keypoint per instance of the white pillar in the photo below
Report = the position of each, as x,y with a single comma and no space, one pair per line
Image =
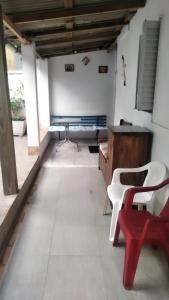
43,93
31,103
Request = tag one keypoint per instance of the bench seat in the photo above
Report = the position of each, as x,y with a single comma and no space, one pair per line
54,128
85,128
83,123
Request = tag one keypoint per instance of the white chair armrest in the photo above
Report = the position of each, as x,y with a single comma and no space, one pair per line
118,171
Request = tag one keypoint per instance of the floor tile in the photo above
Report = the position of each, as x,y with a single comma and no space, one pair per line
151,280
25,278
71,278
74,239
26,271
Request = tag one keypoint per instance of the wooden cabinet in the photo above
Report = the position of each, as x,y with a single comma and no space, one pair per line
128,147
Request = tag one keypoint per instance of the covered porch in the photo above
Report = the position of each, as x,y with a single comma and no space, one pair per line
80,59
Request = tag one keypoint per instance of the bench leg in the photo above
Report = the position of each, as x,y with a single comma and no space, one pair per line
97,135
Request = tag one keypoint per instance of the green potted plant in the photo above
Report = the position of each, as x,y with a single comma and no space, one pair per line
18,110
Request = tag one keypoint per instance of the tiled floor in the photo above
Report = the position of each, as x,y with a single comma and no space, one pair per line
68,156
63,252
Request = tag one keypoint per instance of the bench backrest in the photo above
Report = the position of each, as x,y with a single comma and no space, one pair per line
97,120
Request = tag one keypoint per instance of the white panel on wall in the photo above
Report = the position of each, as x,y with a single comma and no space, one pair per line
148,52
161,101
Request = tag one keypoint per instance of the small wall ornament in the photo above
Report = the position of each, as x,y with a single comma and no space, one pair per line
124,70
85,60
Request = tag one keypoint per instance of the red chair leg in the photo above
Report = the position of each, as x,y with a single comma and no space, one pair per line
116,237
132,253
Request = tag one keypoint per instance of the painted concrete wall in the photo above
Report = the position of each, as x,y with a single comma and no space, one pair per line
111,105
30,93
14,59
84,91
43,92
128,44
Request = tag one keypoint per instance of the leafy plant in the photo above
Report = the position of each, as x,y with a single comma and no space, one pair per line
17,103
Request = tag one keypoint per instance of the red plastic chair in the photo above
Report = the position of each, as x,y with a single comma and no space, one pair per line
139,228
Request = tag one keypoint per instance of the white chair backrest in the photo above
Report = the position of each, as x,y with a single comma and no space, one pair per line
166,196
156,173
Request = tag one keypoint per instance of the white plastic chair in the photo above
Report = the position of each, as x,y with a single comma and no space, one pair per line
156,173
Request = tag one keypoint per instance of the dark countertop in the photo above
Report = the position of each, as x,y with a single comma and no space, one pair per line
129,129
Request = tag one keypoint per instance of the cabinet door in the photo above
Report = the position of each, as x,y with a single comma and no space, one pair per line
130,151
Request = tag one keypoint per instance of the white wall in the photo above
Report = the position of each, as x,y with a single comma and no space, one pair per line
30,93
84,91
111,107
128,44
43,93
15,79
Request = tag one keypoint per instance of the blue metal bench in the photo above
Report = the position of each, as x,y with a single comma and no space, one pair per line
79,123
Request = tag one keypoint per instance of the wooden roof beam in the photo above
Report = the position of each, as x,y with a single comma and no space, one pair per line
89,45
76,38
12,28
68,4
116,24
85,30
98,25
34,16
105,40
70,52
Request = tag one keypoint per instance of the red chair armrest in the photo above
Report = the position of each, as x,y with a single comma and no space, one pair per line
130,193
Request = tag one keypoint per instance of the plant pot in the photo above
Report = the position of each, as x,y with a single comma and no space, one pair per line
19,127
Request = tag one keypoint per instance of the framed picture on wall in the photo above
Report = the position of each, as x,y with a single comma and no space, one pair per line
103,69
69,67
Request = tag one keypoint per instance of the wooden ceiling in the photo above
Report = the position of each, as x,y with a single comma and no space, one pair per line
60,27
